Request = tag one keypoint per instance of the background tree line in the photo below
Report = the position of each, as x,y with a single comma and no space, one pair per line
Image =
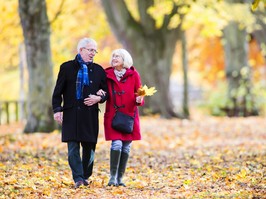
151,30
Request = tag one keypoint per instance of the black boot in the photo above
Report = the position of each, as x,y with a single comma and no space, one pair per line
122,168
114,162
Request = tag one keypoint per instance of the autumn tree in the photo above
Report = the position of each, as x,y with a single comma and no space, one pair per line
236,63
151,45
236,35
36,31
237,69
216,20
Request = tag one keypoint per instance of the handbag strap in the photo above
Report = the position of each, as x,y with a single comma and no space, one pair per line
115,105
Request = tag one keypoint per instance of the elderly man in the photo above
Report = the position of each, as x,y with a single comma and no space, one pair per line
75,106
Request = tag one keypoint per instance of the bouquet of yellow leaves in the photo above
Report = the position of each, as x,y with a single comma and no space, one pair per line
145,91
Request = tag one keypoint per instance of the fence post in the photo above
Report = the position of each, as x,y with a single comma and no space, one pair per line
0,111
16,109
13,107
7,112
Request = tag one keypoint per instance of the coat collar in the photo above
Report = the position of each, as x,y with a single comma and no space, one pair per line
77,66
111,75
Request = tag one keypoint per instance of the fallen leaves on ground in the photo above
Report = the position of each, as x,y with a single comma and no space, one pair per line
204,157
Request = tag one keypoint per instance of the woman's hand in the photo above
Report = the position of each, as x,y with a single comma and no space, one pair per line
139,99
92,99
101,92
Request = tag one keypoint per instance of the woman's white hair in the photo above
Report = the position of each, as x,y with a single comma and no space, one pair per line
84,42
128,61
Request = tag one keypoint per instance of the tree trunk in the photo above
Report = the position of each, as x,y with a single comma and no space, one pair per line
260,35
36,31
152,49
185,76
237,70
22,66
154,63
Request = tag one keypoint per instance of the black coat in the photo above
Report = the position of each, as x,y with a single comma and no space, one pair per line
80,122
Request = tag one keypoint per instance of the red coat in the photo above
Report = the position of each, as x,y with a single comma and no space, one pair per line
128,87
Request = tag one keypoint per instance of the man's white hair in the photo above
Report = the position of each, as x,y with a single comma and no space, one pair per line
84,42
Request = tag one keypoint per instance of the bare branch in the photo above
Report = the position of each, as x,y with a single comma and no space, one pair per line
59,11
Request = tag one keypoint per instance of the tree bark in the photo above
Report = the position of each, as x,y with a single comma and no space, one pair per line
260,35
22,66
36,31
152,49
185,76
236,63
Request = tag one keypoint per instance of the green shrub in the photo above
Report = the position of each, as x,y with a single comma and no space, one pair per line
218,103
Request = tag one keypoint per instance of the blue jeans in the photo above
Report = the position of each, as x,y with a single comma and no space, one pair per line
119,145
81,167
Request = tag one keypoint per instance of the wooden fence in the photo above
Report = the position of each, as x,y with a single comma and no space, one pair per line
12,111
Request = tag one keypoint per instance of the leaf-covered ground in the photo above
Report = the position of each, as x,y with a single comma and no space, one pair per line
204,157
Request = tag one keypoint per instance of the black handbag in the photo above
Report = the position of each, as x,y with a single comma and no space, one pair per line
122,122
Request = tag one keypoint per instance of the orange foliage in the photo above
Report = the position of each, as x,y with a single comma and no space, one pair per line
206,55
255,55
211,58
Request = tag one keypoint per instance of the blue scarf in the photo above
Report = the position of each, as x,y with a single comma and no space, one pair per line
82,77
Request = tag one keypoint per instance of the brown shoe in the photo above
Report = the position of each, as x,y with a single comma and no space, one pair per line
78,184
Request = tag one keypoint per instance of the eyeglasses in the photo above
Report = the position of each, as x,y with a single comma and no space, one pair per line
117,56
90,50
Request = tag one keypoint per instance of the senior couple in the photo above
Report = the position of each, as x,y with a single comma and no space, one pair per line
81,85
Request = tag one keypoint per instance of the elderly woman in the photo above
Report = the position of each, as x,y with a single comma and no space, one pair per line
124,80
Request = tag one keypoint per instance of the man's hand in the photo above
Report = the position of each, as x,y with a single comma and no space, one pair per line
58,117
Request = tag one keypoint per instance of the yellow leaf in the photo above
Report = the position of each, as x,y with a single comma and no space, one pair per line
66,181
11,180
242,174
52,179
46,191
255,4
118,192
145,91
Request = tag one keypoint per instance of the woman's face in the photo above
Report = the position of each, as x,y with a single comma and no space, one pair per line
117,61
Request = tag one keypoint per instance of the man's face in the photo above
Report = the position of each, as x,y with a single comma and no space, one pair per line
87,53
